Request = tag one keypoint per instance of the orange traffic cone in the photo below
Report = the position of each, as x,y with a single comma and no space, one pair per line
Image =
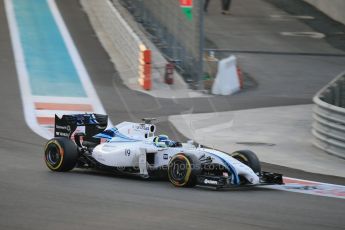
145,68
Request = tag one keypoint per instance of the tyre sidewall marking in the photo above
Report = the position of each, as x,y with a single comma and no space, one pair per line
188,173
61,152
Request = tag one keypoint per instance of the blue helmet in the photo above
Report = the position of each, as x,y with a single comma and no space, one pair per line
161,141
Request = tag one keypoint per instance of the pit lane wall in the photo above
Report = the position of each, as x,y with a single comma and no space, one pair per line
329,117
333,8
122,40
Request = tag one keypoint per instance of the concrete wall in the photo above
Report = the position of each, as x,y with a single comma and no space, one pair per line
333,8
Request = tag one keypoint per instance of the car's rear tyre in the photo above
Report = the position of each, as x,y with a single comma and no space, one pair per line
61,154
183,170
248,158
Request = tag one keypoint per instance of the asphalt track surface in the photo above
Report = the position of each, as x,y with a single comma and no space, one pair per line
32,197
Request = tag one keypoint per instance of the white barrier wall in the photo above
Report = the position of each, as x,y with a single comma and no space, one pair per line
115,35
333,8
227,80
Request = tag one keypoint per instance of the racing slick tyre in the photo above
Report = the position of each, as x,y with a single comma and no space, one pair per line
61,154
248,158
183,170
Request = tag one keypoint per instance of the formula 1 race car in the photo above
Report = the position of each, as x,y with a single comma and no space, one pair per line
133,148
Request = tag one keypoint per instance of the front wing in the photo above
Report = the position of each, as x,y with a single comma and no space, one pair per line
218,182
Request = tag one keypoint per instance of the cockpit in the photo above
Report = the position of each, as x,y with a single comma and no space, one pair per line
163,141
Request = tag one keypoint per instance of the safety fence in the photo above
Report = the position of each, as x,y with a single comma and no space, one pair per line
329,117
178,37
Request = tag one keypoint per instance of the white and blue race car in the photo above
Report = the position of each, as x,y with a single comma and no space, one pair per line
135,149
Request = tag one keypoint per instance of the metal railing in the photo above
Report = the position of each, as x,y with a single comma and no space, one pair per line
329,117
179,39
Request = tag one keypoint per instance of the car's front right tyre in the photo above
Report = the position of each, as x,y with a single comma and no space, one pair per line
248,158
61,154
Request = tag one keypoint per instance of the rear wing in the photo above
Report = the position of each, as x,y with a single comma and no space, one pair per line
93,123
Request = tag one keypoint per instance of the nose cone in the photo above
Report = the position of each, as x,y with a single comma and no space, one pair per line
253,178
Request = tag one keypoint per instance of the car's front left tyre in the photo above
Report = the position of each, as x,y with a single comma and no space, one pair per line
183,170
61,154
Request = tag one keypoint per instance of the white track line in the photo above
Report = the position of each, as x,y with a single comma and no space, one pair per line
62,100
22,73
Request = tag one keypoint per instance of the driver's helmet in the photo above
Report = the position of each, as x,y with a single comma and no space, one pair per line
161,141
